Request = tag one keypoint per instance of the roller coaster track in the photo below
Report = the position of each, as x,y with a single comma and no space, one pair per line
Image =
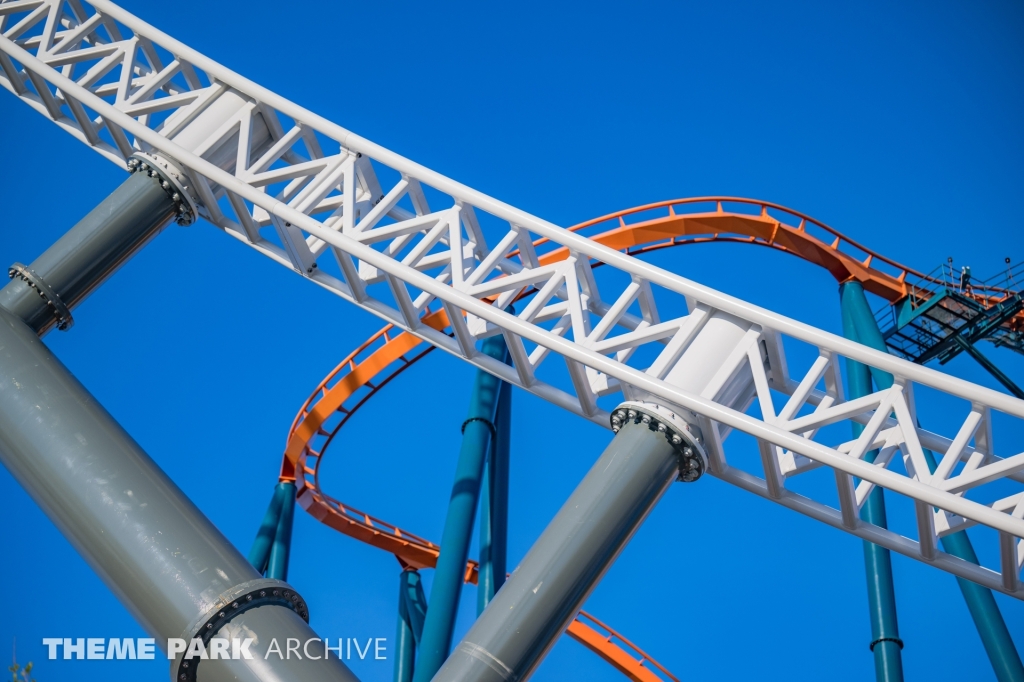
389,352
421,250
402,242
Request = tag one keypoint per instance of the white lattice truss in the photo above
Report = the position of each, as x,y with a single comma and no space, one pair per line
315,193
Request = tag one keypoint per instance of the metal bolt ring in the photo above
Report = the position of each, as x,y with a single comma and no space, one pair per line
490,425
899,642
181,208
35,282
691,466
286,597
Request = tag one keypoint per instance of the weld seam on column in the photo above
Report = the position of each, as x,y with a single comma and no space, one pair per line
483,655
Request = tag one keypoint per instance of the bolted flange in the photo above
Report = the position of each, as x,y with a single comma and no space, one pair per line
684,437
35,281
173,180
236,601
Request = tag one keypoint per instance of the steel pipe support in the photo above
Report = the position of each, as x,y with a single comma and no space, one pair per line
154,549
43,293
548,588
653,446
162,558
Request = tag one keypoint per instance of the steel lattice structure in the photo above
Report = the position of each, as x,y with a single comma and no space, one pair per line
372,366
314,197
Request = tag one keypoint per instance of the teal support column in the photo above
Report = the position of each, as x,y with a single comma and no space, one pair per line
458,528
277,566
412,610
991,368
259,555
485,568
494,506
995,636
886,644
499,488
988,620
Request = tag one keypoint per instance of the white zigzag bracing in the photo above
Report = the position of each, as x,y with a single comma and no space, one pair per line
358,220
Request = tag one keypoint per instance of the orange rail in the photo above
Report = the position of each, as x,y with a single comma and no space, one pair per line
389,352
602,642
678,222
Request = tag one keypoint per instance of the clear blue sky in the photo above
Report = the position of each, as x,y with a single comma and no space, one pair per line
898,123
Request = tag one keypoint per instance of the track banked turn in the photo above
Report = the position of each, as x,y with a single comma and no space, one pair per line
390,351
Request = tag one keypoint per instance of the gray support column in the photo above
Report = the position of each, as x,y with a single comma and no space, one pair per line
548,588
163,559
155,550
44,293
89,253
654,445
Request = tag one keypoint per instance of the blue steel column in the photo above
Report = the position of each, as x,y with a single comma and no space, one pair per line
451,563
886,644
259,555
988,620
494,506
412,610
277,566
485,569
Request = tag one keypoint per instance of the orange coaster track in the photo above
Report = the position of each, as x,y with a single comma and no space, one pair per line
390,351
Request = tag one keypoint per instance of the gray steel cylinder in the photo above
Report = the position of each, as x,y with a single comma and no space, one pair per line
155,550
93,249
543,595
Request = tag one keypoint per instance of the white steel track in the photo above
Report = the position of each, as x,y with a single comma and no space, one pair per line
400,240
